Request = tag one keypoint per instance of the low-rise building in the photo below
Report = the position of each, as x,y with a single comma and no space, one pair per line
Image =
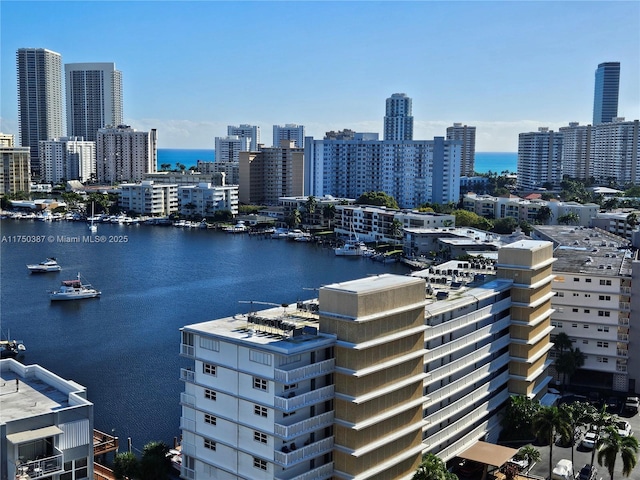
149,198
187,177
205,199
46,424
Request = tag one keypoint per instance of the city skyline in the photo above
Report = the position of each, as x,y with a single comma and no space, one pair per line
331,65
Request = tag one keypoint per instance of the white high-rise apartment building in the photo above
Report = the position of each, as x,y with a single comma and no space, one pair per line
40,99
467,135
413,172
576,150
228,148
94,98
290,131
252,132
398,120
69,158
365,379
539,159
614,152
124,154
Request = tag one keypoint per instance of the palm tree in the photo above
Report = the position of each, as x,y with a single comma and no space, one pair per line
577,414
614,444
432,468
294,218
529,453
601,420
329,212
310,207
568,362
547,423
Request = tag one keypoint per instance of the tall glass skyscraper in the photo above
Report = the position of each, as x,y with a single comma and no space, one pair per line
398,120
94,98
605,99
39,73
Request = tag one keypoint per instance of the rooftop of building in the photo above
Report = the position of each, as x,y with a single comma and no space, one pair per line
589,251
29,391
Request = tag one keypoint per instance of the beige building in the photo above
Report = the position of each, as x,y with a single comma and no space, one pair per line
15,175
271,173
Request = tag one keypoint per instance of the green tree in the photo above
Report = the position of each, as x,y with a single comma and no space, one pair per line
154,464
632,192
529,453
310,207
379,199
125,465
396,229
569,218
329,212
432,468
165,167
506,225
614,444
294,218
543,215
518,415
632,220
577,414
568,362
547,424
600,421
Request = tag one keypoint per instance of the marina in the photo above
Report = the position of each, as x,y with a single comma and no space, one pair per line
125,346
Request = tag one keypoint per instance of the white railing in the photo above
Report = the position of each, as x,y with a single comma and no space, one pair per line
303,373
187,399
305,399
41,468
303,453
187,350
623,320
306,426
321,473
465,320
187,375
622,352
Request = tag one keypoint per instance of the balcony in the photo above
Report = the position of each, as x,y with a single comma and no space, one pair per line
304,373
187,350
623,320
187,375
307,452
320,473
294,402
43,467
306,426
622,352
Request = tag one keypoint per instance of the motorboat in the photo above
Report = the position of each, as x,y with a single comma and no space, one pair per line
49,265
351,249
74,290
11,348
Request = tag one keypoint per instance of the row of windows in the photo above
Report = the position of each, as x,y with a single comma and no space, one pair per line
588,280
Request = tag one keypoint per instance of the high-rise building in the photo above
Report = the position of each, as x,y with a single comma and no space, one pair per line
252,132
290,131
94,98
124,154
614,152
467,135
539,159
39,73
398,120
413,172
228,148
15,169
271,173
605,99
576,149
69,158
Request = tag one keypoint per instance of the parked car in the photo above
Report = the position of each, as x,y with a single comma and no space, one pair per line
624,429
613,405
631,405
563,470
589,440
588,472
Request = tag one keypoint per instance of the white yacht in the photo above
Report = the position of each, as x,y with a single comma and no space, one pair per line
74,290
49,265
357,249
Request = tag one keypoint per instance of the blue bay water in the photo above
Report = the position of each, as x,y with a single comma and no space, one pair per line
124,347
485,161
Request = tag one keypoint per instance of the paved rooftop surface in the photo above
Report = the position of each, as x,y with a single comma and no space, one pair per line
27,397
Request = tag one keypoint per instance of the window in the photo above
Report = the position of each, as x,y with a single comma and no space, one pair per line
574,310
603,360
259,463
604,297
586,342
210,344
585,326
209,369
603,344
604,313
576,294
605,282
260,411
260,437
587,295
260,383
293,386
210,419
209,394
574,325
576,279
586,310
588,280
602,328
288,414
561,294
210,444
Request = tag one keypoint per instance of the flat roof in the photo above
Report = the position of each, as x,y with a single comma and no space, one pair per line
370,284
488,453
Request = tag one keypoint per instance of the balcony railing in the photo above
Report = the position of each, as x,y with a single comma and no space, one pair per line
303,373
623,320
306,426
321,473
187,375
187,399
305,399
303,453
622,352
623,338
187,350
42,467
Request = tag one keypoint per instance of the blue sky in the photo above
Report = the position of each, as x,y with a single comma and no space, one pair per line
192,68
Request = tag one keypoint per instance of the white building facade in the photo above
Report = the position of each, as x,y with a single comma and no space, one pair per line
252,132
228,148
69,158
205,199
539,159
94,98
124,154
290,131
149,198
413,172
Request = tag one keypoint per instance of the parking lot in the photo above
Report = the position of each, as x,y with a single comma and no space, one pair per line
583,456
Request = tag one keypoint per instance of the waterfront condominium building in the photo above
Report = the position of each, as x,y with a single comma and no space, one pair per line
576,150
46,424
605,98
290,131
467,135
539,159
206,199
15,169
413,172
595,304
94,98
228,148
398,121
252,132
124,154
614,152
40,116
149,198
271,173
230,170
68,158
365,379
